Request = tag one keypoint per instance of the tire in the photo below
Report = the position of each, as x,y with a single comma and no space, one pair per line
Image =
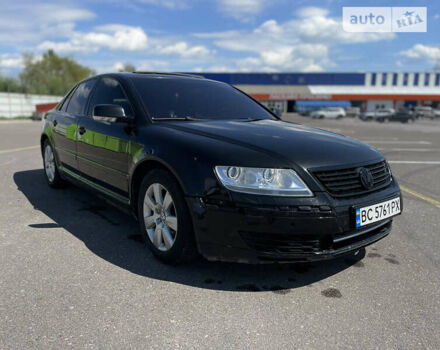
321,117
51,172
167,228
339,117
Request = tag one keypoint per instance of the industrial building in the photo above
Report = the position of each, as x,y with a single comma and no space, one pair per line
295,92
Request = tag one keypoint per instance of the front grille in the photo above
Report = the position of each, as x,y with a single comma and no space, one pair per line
287,246
347,182
353,237
279,243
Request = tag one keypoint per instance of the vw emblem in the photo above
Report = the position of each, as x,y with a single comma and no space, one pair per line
366,178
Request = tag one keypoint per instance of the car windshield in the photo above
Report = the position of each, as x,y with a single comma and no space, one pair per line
171,97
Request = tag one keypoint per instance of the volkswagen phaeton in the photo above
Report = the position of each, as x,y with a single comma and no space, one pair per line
207,170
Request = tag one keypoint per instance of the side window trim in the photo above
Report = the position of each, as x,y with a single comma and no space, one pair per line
66,100
89,112
70,97
84,108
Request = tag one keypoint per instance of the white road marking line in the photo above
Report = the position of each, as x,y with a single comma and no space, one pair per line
399,142
339,131
410,149
379,139
432,162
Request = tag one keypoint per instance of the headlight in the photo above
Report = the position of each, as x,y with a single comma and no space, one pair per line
269,182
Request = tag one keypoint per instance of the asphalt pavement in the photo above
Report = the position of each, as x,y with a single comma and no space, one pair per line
74,273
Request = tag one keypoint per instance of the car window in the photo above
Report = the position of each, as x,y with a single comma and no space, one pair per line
64,104
196,98
108,91
65,101
79,98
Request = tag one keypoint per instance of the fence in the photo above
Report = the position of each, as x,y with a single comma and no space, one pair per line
17,105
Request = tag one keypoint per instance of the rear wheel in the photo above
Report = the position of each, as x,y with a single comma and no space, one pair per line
164,218
50,166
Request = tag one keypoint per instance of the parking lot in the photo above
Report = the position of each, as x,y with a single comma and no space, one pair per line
74,272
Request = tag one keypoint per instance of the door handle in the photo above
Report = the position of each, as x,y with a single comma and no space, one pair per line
82,130
55,123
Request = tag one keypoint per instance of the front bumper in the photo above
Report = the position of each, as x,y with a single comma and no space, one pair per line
304,229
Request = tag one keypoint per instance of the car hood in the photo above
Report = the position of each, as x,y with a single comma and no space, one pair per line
293,143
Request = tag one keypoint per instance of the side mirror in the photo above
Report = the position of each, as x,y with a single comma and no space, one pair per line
110,113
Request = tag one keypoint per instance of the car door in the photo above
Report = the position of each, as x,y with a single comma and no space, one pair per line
65,124
103,147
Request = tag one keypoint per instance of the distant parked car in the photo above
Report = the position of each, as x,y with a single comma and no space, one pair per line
402,116
277,111
330,112
424,112
353,112
436,113
380,113
37,115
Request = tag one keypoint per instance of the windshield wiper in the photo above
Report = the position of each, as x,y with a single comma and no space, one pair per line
159,119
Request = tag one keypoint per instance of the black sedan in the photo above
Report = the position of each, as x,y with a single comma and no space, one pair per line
207,170
402,116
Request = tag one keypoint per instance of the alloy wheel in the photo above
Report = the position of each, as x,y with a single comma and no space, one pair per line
49,163
160,217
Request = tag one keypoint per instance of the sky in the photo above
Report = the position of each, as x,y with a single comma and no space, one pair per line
211,36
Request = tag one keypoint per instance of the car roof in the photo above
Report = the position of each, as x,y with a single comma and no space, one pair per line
153,75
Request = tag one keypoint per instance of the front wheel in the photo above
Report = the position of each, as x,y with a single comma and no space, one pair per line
50,166
164,218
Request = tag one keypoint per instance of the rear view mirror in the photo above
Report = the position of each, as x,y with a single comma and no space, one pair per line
110,113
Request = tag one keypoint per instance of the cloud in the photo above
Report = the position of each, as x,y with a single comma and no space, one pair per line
113,37
170,4
10,61
14,61
307,58
307,12
182,49
420,52
26,22
242,10
315,25
123,38
303,43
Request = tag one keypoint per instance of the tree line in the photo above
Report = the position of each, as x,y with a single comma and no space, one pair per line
50,75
